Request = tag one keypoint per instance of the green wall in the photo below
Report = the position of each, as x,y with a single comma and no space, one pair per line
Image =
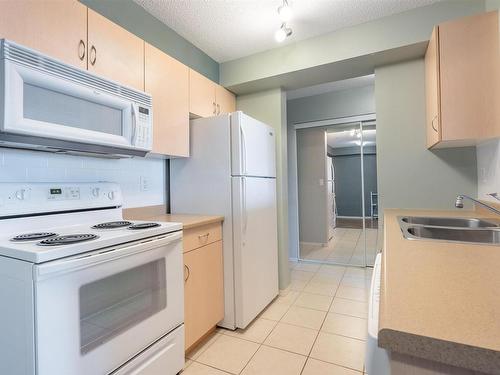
135,19
270,107
409,175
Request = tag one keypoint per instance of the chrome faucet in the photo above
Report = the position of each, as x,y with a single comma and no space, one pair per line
459,203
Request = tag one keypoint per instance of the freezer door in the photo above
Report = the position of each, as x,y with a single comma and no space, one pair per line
253,147
255,246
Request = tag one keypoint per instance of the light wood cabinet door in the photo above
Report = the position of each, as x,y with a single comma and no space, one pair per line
432,90
225,100
468,63
57,28
201,95
167,80
115,53
203,291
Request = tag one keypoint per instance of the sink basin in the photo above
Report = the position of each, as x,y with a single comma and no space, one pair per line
449,222
483,236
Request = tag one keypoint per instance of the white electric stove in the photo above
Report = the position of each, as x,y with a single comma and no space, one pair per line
84,291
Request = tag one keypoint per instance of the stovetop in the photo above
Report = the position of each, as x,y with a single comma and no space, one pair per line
58,242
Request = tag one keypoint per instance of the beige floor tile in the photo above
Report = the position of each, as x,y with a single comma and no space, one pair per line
292,338
356,282
339,350
200,369
332,269
349,307
275,311
313,301
187,363
271,361
201,347
228,354
257,331
301,275
326,278
297,285
356,294
315,367
309,267
303,317
326,289
289,298
359,272
345,325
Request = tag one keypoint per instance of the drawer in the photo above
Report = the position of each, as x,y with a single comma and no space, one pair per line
201,236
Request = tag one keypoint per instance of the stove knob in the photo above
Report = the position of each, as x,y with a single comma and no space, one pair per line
111,195
21,194
95,192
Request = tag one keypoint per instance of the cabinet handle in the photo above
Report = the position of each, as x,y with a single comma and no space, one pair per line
215,108
203,236
81,50
186,277
218,109
432,123
93,52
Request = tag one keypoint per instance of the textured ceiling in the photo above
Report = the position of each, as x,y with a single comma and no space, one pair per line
229,29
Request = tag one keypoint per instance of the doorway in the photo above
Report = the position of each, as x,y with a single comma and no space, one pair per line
337,192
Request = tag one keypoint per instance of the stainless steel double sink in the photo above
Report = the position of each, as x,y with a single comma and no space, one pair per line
451,229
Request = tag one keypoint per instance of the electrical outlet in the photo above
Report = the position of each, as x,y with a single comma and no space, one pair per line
144,182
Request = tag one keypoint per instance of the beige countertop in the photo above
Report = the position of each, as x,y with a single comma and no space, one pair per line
440,300
155,213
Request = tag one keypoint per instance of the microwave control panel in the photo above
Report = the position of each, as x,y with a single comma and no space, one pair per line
143,137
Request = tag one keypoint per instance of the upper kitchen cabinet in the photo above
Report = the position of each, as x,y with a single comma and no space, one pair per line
461,68
56,28
115,53
207,98
167,80
201,95
225,100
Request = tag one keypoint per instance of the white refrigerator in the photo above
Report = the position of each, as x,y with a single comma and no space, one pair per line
232,172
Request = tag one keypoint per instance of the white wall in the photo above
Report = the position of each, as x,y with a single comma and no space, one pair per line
32,166
488,169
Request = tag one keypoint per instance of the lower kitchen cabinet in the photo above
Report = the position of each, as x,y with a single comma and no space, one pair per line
203,291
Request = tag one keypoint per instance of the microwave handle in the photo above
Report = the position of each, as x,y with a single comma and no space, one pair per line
92,259
134,124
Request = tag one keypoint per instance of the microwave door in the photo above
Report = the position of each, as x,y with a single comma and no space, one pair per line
43,105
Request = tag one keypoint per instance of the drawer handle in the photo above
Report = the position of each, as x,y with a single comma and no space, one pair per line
218,109
204,236
93,52
81,50
432,123
187,272
215,108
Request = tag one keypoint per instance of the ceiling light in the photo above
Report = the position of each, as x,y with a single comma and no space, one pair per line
285,11
282,33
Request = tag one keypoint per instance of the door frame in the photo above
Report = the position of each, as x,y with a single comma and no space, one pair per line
293,196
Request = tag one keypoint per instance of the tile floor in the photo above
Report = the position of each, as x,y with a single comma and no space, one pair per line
315,327
346,247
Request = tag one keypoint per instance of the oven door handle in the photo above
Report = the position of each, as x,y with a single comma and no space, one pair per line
93,258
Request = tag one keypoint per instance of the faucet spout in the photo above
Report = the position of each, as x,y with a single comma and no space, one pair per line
459,203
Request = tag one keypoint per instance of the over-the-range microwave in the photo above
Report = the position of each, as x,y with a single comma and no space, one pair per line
48,105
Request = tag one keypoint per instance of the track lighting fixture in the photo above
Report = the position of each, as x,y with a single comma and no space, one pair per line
285,13
282,33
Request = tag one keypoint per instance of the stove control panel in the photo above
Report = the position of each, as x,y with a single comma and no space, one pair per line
27,198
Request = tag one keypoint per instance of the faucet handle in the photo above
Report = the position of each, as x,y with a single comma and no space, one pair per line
495,195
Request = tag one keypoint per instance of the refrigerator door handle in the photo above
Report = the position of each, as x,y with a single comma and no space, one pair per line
244,203
243,152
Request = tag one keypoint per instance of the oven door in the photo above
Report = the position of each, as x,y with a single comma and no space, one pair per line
96,311
40,104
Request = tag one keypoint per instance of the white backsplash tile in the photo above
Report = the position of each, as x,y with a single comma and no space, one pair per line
488,169
31,166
